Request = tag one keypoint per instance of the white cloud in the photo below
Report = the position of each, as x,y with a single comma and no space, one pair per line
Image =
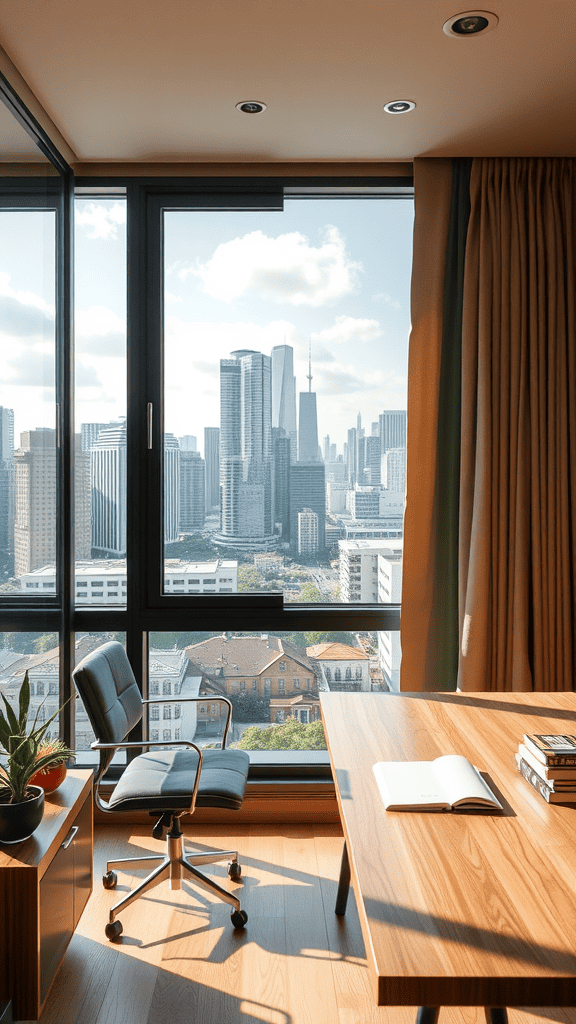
283,269
385,297
103,218
25,298
99,320
349,328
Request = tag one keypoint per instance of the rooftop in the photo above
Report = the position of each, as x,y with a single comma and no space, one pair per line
336,652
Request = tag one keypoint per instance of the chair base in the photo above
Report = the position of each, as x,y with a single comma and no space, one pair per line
175,866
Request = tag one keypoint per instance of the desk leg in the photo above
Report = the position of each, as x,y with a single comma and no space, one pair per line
427,1014
496,1015
344,888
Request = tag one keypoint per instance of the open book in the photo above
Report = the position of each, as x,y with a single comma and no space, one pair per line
450,782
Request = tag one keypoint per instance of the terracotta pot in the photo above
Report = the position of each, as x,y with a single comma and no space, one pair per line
50,778
19,821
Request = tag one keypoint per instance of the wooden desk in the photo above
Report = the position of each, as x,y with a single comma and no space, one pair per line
457,909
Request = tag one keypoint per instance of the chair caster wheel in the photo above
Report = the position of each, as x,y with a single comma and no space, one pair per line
113,930
239,918
109,880
234,870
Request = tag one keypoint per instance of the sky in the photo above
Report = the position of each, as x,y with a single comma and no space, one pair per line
330,274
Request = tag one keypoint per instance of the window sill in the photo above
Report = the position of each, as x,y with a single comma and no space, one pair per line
268,799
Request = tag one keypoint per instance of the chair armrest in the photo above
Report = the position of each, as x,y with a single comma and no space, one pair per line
150,743
180,700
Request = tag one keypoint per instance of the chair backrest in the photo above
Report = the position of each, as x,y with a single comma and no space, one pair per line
109,692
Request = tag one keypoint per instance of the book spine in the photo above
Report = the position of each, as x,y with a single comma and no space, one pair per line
534,779
551,760
564,775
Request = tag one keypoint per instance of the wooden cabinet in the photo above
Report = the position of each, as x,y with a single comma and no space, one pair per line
45,883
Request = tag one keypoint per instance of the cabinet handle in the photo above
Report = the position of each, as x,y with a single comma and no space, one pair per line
70,837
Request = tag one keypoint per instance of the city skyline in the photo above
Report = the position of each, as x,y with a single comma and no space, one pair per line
335,273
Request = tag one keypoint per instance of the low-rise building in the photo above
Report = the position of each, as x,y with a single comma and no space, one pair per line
265,666
342,668
305,708
103,581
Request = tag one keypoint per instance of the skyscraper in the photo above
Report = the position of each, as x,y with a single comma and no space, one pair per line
284,393
192,491
35,512
89,433
212,460
372,469
282,458
308,428
171,488
392,429
394,464
351,456
307,532
35,525
246,508
108,482
6,480
308,491
308,450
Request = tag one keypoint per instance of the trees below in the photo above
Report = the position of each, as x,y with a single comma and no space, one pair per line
292,735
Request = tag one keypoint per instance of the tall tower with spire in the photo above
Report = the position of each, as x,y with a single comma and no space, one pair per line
308,421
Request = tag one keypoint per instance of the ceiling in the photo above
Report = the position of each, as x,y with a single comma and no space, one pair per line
144,82
16,146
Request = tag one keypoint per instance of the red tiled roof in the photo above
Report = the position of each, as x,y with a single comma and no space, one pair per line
336,652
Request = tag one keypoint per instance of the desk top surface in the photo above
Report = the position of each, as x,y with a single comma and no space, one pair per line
458,908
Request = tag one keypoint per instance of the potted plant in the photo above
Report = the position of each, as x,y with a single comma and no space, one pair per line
22,804
54,773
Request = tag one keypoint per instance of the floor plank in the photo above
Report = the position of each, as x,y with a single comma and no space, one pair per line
180,961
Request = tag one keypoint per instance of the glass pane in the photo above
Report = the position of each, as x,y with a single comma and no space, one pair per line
27,401
100,450
272,680
279,328
84,735
39,655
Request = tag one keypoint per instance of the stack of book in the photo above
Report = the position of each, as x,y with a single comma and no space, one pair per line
548,763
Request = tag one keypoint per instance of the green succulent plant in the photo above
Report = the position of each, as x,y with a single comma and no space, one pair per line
22,747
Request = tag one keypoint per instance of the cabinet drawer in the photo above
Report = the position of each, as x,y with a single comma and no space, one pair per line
64,891
56,913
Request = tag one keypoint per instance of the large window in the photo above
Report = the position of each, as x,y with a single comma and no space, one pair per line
234,456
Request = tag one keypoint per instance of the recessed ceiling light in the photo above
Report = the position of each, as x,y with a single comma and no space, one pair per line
471,23
251,107
399,106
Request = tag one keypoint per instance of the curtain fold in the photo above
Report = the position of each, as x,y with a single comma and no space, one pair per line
509,539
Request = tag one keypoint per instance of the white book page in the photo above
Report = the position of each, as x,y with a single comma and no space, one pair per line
447,782
462,783
410,785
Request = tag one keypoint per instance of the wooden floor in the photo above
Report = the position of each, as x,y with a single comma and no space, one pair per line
180,961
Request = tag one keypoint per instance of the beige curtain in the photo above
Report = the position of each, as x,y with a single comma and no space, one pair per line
432,191
518,456
516,534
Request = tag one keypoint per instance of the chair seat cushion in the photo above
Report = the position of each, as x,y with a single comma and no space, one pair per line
162,780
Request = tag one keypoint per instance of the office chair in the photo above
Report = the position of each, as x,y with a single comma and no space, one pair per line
166,783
